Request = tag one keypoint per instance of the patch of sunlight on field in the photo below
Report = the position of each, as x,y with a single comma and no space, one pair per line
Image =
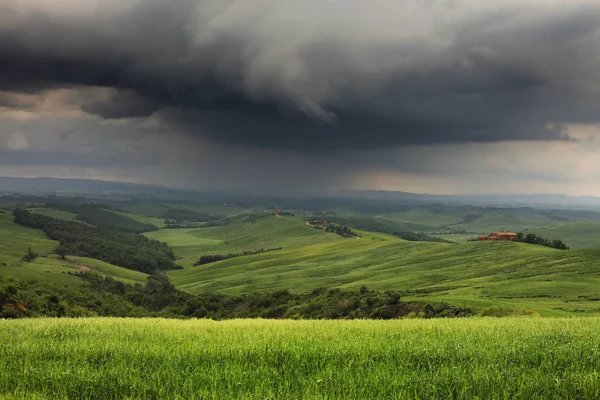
528,358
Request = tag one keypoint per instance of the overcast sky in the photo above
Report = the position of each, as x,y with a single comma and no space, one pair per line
281,96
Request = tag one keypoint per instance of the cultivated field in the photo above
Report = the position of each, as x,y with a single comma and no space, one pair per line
238,236
485,358
579,235
474,274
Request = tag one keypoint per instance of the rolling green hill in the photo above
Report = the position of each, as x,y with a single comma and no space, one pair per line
247,233
158,222
53,269
578,235
15,241
159,209
470,274
483,220
473,274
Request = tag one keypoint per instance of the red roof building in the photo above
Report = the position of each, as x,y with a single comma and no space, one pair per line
502,235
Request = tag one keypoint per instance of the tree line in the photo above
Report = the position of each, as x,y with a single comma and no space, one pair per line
105,296
207,259
535,239
383,226
126,250
341,230
179,215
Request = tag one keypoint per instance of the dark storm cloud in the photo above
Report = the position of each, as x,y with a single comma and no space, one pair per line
339,74
120,104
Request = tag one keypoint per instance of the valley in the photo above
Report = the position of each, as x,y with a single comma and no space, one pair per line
263,252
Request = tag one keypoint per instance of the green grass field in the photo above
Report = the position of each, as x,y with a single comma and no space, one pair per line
158,209
578,235
476,274
16,239
476,358
52,269
239,236
158,222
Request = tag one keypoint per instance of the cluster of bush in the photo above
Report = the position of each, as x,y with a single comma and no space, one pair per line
104,296
341,230
535,239
98,296
383,226
418,237
207,259
127,250
171,224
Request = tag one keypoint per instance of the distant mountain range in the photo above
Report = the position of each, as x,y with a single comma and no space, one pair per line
498,200
99,188
88,187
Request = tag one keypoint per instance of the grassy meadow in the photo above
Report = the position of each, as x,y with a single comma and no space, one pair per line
15,241
238,236
468,274
579,235
474,274
158,222
484,358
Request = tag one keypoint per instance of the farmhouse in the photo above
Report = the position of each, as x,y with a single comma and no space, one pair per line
502,235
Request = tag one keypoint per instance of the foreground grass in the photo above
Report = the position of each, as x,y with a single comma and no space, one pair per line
524,358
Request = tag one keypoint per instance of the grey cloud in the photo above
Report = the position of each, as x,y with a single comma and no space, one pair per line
18,101
319,75
120,104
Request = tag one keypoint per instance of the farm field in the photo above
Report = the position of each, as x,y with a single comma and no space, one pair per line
158,209
579,235
471,274
266,232
93,358
158,222
475,274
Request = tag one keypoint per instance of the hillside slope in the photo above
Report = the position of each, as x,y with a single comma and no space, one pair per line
247,233
474,274
15,240
578,235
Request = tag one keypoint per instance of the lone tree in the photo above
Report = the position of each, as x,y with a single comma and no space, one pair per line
62,252
30,256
